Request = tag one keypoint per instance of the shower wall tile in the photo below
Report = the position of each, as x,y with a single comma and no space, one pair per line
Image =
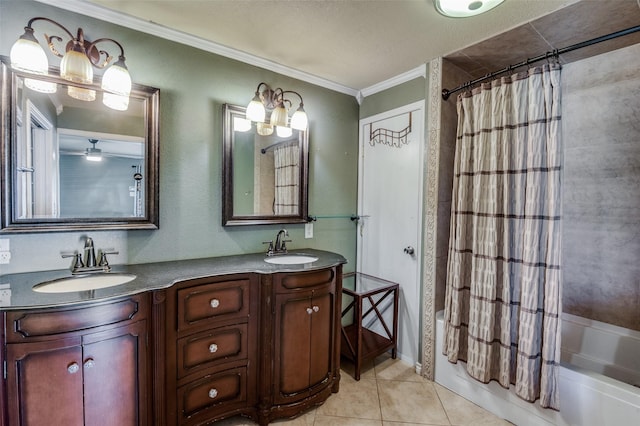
601,187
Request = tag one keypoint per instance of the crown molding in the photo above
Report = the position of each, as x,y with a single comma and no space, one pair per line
104,14
419,71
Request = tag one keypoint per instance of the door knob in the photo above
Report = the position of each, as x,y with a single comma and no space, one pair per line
409,250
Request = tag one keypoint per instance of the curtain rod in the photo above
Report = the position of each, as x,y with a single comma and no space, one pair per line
277,144
552,53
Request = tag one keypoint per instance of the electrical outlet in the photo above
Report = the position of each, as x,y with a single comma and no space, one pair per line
5,297
308,230
5,257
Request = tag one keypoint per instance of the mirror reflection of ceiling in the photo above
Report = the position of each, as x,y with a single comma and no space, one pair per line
357,44
74,144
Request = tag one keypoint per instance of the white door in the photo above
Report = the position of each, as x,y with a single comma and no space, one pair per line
389,204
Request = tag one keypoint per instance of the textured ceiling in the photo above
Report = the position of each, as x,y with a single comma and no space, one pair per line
351,45
354,43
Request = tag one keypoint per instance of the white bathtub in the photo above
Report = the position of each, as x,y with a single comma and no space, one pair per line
588,397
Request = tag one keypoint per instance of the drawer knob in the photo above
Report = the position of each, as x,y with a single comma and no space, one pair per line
73,368
213,348
90,363
316,308
309,311
213,393
214,303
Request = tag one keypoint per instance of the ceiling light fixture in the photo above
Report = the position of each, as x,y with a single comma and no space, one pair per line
78,60
93,153
464,8
276,102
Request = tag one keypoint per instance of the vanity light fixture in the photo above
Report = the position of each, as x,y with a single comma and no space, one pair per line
464,8
93,153
278,104
78,60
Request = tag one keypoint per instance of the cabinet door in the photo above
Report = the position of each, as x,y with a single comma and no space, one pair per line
114,363
44,381
293,347
321,339
304,344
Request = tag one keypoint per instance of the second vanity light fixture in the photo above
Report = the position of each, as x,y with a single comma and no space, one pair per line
78,60
276,101
464,8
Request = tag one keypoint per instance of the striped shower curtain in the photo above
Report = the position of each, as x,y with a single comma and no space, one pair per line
287,176
503,295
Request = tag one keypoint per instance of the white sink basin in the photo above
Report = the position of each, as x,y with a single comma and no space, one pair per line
291,259
83,283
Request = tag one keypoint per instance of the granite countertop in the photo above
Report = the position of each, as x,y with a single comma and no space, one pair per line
149,276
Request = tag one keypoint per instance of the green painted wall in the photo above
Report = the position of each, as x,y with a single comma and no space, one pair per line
194,84
394,97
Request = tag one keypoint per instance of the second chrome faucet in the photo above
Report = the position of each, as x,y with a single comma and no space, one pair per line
280,246
89,264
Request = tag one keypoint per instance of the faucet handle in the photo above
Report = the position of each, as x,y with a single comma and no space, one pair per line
76,262
270,249
104,263
283,247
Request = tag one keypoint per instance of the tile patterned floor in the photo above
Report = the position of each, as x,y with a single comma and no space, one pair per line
389,393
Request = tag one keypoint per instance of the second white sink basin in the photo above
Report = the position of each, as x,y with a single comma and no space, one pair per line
291,259
83,283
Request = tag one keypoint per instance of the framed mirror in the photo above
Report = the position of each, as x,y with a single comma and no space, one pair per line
69,164
264,176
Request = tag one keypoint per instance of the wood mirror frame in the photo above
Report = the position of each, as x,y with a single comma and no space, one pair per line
146,218
230,193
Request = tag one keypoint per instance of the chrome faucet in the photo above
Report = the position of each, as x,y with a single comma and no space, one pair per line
89,253
280,246
89,264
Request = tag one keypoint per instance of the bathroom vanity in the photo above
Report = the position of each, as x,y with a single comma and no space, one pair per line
184,343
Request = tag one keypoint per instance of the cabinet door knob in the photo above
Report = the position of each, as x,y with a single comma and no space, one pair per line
214,303
213,393
73,368
316,308
213,348
90,363
309,311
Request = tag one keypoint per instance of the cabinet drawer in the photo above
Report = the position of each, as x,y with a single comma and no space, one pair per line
217,345
221,300
304,281
46,322
204,397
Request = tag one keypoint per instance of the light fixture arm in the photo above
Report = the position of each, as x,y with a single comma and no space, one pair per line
79,40
274,100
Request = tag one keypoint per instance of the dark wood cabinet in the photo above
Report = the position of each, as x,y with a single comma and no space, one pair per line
262,345
75,372
304,327
210,348
304,342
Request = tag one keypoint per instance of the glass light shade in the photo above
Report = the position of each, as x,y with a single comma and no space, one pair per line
299,120
279,116
116,79
76,67
284,132
241,124
81,94
464,8
40,86
27,55
117,102
255,110
264,129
